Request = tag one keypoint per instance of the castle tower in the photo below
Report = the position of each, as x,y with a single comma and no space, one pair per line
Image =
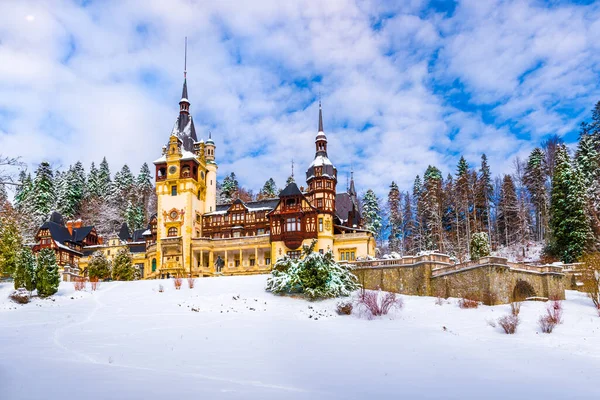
184,178
321,178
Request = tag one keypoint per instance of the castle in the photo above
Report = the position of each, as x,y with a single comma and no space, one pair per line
191,234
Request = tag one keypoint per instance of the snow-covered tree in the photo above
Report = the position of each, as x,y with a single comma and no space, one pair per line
315,275
371,213
483,195
534,179
464,199
289,180
104,182
229,187
47,275
568,221
395,223
432,202
480,245
10,241
269,190
99,267
134,215
508,212
93,182
123,269
42,195
25,272
419,214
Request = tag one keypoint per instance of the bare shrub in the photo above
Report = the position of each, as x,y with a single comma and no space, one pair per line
468,303
509,323
555,311
439,301
177,282
79,283
344,308
94,282
20,296
191,282
378,303
547,323
515,308
161,288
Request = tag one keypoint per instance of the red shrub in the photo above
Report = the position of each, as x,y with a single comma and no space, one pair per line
547,323
191,282
344,308
515,308
94,282
177,281
79,283
376,304
468,303
555,311
509,323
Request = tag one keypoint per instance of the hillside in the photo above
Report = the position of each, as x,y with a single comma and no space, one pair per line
228,339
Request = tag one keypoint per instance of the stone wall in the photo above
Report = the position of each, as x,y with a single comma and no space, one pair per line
491,280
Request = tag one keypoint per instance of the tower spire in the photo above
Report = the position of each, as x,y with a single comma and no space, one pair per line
320,117
185,60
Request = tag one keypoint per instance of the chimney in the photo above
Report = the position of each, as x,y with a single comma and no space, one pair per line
78,224
70,226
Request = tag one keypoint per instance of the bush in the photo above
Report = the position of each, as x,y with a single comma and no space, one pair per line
509,323
79,283
99,267
468,303
315,275
191,282
377,304
177,282
24,275
344,308
547,323
123,269
515,308
94,283
555,311
439,301
20,296
161,288
480,246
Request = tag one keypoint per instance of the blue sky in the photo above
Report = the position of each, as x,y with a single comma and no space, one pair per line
403,84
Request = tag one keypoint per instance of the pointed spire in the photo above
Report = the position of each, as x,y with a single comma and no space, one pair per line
184,92
352,190
320,118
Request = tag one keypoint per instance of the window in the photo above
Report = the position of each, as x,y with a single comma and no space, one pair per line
320,251
252,262
197,234
319,203
294,254
153,264
173,190
172,232
319,184
267,260
237,263
260,231
328,184
236,234
292,224
108,253
320,224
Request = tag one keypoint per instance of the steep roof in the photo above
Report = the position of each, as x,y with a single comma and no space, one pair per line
290,190
80,233
124,232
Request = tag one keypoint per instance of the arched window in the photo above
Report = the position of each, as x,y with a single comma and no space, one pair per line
172,232
153,264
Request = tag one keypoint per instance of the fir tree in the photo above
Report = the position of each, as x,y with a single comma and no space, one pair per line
228,188
508,212
22,194
43,195
25,272
10,243
372,213
289,180
123,269
409,224
269,190
93,182
534,180
134,215
432,201
104,182
395,219
47,275
483,195
99,267
463,193
568,220
419,218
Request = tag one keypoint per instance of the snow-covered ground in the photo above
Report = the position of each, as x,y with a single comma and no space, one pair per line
228,339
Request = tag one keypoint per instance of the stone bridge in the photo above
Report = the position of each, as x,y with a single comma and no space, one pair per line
492,280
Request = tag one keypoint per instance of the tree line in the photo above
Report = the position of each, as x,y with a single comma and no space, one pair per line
552,197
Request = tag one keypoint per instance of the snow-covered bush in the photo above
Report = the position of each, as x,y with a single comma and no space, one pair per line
191,282
123,269
547,323
99,267
509,323
480,246
79,283
314,274
377,303
468,303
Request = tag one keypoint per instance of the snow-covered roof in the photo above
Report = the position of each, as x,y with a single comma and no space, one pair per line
147,232
320,161
185,155
62,246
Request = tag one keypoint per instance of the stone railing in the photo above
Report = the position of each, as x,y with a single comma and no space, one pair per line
436,258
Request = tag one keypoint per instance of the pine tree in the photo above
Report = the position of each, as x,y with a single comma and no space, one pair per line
93,182
123,269
25,272
568,220
450,220
104,181
463,193
22,194
409,224
432,201
269,190
508,212
484,191
534,180
43,195
419,217
228,188
10,242
47,275
99,266
371,213
395,238
289,180
134,215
